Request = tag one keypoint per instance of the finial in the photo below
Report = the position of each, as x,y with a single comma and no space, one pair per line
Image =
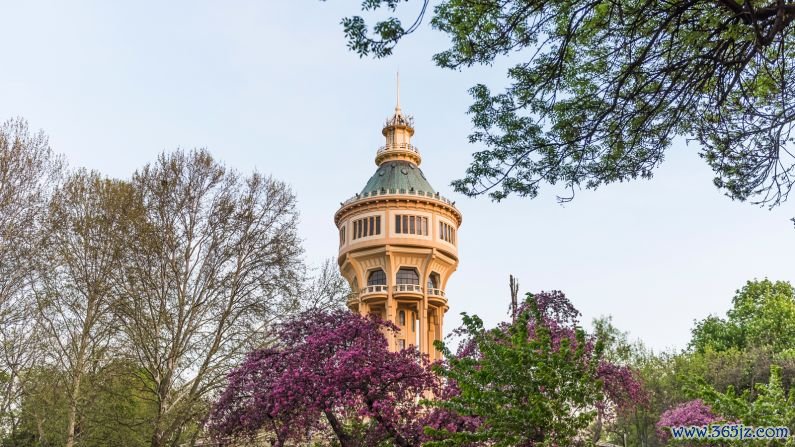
397,104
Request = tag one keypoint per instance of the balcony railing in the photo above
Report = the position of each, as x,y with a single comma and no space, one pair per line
407,288
373,289
382,289
397,147
436,292
400,191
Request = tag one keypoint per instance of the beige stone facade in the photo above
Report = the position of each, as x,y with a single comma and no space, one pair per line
398,243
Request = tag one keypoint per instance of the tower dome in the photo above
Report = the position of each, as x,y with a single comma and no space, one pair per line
398,175
398,244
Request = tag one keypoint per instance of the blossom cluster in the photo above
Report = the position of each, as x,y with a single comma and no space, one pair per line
330,367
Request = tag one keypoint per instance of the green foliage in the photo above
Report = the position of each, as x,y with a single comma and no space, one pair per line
762,315
113,410
602,88
664,376
716,334
524,387
772,406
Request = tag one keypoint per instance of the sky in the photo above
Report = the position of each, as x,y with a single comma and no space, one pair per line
270,86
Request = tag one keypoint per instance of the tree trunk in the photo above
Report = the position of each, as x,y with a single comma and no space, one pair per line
597,432
70,430
344,439
398,439
157,435
76,379
513,284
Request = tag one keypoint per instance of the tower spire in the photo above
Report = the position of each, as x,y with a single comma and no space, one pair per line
397,104
398,130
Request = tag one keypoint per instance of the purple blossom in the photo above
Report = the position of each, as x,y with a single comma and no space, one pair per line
694,412
330,368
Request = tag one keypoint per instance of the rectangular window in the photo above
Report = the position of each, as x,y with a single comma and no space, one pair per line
447,232
364,227
401,343
406,224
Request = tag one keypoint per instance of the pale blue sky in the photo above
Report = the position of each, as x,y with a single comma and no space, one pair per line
270,85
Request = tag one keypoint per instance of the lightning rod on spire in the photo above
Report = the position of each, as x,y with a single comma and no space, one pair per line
397,105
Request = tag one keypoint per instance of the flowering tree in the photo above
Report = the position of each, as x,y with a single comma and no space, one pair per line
537,381
691,413
770,406
332,372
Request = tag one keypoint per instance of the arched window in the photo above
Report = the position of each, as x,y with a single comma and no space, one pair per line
402,318
377,278
433,281
408,276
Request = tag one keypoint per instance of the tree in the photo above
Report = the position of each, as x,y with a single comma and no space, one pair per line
762,315
326,289
538,381
691,413
28,172
115,411
771,406
75,285
603,87
211,265
734,366
331,370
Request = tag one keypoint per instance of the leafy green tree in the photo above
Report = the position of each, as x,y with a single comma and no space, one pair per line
772,406
762,315
536,381
602,88
75,287
115,412
664,377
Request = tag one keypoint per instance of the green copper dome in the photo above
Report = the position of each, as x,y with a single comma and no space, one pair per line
397,175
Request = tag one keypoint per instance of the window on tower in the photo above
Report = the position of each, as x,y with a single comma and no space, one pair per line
446,232
406,224
408,276
376,278
366,226
433,281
